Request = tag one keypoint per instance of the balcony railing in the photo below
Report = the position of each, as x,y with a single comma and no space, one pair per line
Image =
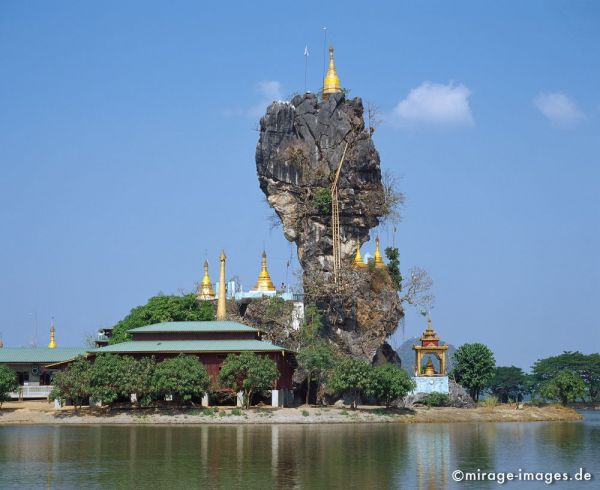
32,392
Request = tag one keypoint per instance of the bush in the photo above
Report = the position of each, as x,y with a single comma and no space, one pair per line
73,383
249,373
489,402
389,383
183,377
436,399
323,200
350,375
112,377
8,383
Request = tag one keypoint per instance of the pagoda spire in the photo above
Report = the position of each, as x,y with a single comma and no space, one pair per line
377,256
52,343
222,302
205,290
358,261
331,83
264,283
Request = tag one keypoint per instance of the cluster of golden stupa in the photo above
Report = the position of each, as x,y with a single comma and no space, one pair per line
359,263
264,284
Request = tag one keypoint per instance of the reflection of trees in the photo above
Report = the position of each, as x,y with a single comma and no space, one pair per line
473,446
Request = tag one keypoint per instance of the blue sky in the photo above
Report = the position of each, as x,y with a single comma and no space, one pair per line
127,139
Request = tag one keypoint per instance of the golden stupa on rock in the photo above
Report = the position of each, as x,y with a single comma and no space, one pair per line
358,261
379,264
264,283
205,290
331,83
52,344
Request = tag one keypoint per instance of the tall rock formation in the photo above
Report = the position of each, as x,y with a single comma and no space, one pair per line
300,147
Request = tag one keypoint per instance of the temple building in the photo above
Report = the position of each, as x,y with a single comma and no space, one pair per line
427,378
32,365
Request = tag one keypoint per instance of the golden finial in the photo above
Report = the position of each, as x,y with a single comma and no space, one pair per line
205,290
264,283
358,262
378,260
331,84
52,344
222,302
1,344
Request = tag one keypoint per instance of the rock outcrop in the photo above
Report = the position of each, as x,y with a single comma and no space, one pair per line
300,148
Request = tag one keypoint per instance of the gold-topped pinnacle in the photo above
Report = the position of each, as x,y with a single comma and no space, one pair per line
331,83
222,302
205,290
264,283
52,343
377,256
358,261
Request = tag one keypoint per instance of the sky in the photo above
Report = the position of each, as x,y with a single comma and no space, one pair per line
128,134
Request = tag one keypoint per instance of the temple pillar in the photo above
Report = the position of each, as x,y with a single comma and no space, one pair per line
277,398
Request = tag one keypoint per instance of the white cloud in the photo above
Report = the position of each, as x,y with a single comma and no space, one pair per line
268,91
435,104
557,107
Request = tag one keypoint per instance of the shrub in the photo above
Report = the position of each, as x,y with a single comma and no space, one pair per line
73,383
8,383
322,200
305,413
352,376
112,377
183,377
436,399
389,383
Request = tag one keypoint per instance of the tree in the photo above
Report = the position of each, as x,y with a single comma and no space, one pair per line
509,382
144,380
473,367
393,266
183,377
112,376
8,383
389,383
73,383
566,386
352,376
248,373
163,309
586,366
316,360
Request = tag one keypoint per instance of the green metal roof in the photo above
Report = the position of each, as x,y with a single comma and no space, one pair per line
39,354
191,346
220,326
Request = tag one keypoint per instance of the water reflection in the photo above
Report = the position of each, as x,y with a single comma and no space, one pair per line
287,456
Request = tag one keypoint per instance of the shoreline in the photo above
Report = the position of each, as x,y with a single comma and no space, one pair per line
41,413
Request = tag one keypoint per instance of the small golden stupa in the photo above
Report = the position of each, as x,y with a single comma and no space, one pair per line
52,343
379,263
331,83
358,261
429,370
264,283
205,290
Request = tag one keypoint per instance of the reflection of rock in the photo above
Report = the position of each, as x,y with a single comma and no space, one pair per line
299,150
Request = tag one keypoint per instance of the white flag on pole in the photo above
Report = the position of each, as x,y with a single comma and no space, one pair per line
306,50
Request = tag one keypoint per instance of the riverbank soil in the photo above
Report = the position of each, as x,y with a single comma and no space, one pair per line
41,412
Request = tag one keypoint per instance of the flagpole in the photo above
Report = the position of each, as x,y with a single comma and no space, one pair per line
324,52
305,67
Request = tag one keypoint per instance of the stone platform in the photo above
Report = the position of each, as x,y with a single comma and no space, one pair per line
431,384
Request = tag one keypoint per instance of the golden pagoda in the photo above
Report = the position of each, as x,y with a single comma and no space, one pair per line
358,261
205,290
264,283
430,344
379,263
52,343
331,83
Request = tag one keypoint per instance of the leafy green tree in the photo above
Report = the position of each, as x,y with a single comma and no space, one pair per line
73,383
112,376
316,359
566,386
389,383
393,266
473,367
183,377
586,366
144,381
249,373
352,376
8,383
311,328
509,383
163,309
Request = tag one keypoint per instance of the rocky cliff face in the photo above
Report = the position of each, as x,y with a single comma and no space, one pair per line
300,147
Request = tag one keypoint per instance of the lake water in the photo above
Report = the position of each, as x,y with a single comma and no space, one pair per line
365,456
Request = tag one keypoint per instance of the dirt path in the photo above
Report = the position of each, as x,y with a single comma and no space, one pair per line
40,412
